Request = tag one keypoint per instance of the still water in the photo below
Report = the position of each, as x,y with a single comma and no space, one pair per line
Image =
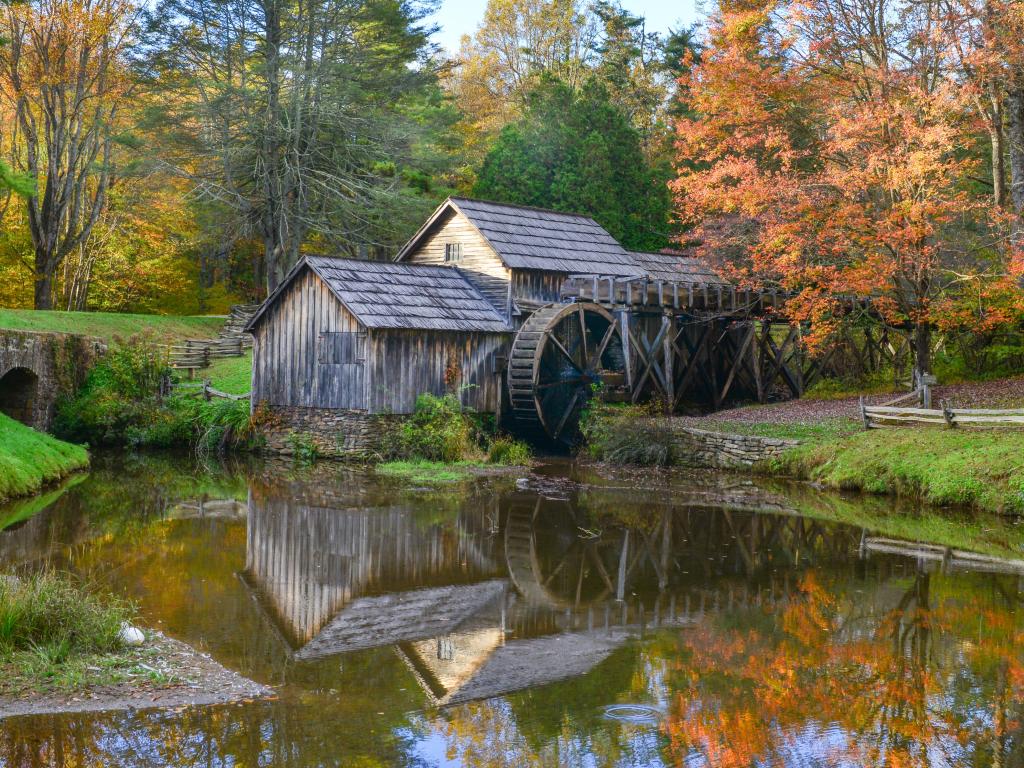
555,619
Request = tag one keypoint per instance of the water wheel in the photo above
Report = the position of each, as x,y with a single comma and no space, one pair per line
559,355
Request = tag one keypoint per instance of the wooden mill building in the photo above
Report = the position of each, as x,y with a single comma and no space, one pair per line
521,312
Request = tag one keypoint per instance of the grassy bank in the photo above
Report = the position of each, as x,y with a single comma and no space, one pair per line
982,469
29,459
55,635
107,325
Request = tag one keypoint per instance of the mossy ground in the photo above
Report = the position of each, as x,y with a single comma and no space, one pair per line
977,468
107,325
30,459
423,472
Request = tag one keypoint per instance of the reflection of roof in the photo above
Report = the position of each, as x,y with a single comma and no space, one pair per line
488,671
372,622
535,238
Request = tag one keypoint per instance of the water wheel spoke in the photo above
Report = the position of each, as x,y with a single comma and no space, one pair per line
568,412
605,341
561,348
583,339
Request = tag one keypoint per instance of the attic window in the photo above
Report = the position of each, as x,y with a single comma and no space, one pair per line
341,348
452,253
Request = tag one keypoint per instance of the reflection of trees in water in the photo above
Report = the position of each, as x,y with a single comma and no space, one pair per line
883,673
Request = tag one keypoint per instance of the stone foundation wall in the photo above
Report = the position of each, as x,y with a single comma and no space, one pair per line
717,450
335,433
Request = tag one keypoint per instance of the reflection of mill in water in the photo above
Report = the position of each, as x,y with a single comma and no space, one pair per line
502,596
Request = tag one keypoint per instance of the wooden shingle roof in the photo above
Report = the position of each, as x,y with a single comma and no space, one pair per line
676,267
394,295
534,238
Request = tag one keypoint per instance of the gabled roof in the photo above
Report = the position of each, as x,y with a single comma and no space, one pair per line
392,295
676,267
534,238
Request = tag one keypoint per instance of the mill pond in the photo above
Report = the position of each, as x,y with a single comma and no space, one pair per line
553,618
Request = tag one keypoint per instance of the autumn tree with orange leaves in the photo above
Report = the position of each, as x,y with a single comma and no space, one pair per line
829,155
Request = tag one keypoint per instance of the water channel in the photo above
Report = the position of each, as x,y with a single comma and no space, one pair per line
556,618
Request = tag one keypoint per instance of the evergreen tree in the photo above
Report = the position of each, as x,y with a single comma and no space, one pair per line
575,151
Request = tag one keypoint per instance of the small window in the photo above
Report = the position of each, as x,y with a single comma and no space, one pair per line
452,253
341,348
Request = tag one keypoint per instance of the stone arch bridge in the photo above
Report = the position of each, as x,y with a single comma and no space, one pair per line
36,369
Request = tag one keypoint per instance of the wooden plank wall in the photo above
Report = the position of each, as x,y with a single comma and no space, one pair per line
286,367
404,364
480,264
534,285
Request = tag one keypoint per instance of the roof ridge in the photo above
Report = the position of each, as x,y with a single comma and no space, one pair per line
520,206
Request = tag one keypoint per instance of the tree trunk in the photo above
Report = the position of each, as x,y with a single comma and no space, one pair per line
44,285
998,146
1015,136
922,348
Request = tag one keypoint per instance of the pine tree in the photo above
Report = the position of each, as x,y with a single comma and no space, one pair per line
575,151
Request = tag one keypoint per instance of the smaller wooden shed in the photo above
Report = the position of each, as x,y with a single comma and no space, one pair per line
342,340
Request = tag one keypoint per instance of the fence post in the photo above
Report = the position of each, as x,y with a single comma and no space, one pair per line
947,414
864,414
206,389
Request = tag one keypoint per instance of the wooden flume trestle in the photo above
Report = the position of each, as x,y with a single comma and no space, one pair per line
689,346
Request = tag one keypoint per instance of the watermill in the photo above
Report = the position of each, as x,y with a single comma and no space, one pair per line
562,355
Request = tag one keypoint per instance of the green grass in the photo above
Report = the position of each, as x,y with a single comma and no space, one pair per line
57,635
163,329
827,429
230,374
981,469
423,472
29,459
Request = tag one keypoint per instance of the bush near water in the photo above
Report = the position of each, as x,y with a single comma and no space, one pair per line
442,430
120,404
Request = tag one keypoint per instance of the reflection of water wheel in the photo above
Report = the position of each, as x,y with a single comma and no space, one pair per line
558,356
570,571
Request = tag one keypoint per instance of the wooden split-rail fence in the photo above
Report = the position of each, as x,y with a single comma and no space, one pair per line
206,390
232,341
915,408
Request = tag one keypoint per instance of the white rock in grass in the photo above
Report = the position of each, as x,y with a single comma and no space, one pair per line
131,636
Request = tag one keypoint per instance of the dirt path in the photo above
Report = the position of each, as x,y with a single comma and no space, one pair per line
1002,393
197,680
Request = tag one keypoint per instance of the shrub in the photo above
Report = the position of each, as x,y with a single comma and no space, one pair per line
506,450
626,434
439,429
119,403
119,395
55,613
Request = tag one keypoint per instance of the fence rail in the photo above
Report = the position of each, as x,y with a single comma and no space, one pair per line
890,415
208,392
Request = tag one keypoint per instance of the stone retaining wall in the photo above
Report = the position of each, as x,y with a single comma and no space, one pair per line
37,369
717,450
335,433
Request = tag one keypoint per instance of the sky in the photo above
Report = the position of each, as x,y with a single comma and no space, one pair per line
461,17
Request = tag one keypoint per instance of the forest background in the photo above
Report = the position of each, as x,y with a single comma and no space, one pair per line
178,156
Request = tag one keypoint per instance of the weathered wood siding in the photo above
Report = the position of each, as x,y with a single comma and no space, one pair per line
480,263
292,362
536,286
404,364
